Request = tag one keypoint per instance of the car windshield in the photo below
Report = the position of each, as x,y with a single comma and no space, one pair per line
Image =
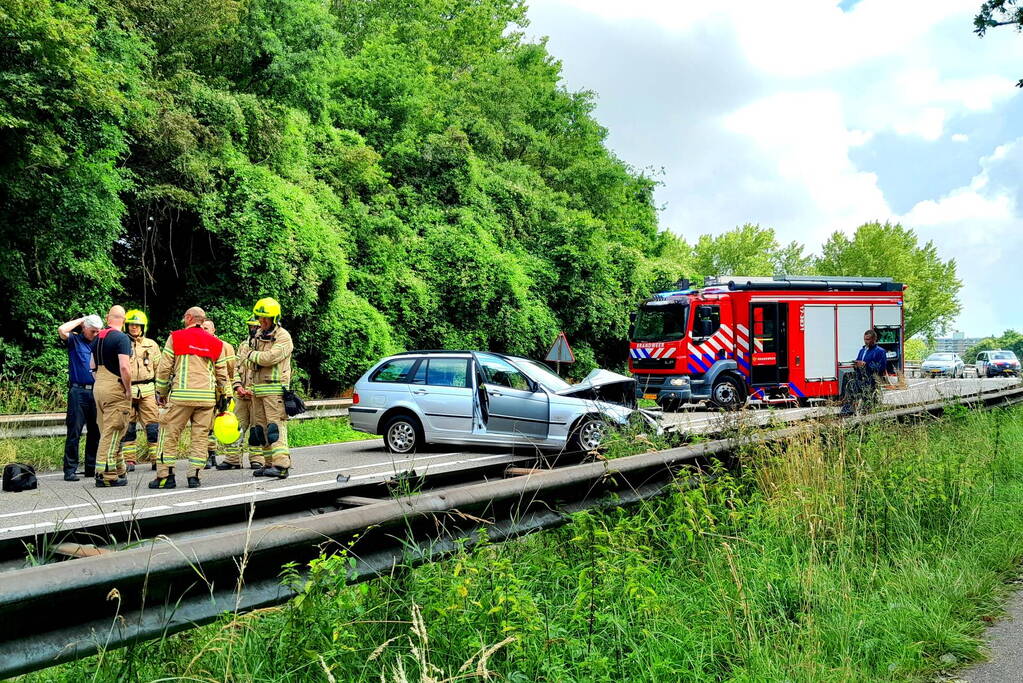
661,323
940,356
1004,355
541,373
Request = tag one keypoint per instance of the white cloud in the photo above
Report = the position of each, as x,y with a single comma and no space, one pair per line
752,110
981,224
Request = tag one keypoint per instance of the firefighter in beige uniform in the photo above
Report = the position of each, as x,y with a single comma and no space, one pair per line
112,356
212,444
145,414
233,453
269,361
193,368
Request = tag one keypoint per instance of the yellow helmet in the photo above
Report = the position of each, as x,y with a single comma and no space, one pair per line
225,428
266,308
253,320
135,317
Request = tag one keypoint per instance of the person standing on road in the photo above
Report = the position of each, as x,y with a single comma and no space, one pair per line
145,415
269,361
242,379
870,366
111,352
212,445
192,370
81,406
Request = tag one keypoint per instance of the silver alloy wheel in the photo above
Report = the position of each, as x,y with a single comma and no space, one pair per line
591,435
401,437
725,394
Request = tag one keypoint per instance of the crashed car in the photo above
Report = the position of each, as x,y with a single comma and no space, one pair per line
489,399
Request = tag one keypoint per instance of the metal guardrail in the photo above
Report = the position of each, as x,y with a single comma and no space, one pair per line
128,596
52,424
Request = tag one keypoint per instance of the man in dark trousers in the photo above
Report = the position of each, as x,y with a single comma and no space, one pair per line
870,366
77,335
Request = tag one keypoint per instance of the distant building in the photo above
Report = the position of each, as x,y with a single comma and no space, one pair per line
957,343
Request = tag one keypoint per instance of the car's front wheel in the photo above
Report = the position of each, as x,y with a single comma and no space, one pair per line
403,434
588,435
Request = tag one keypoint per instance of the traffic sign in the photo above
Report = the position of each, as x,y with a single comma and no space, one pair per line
561,352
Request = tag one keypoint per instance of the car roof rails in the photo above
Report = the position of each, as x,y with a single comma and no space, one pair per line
427,351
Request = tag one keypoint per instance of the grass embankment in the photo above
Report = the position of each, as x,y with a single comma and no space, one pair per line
874,554
47,453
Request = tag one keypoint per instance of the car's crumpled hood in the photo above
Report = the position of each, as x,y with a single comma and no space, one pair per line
604,385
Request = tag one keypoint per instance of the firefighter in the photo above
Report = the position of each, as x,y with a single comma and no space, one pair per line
192,369
212,445
145,415
269,362
233,453
112,357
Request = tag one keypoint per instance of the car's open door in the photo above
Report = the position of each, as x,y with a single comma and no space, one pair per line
510,403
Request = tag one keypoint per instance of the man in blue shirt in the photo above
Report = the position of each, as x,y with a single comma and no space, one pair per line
870,364
81,408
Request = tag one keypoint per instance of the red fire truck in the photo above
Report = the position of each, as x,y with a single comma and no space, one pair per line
782,338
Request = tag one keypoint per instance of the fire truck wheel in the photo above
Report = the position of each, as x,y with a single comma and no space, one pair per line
727,393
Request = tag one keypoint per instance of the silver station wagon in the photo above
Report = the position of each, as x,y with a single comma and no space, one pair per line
488,399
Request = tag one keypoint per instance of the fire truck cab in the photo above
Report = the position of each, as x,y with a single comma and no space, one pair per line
782,338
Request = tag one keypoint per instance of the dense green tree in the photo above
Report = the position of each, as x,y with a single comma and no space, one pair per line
748,250
1010,340
880,250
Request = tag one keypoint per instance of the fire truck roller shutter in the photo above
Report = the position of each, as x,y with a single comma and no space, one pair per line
852,321
819,343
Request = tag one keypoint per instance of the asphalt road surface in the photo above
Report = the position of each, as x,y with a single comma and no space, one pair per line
57,504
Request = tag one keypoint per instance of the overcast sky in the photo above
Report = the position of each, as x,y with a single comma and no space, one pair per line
810,116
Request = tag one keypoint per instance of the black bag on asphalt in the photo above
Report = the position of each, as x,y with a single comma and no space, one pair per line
19,477
293,405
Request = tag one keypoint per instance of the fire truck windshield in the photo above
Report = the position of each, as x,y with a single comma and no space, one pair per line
661,323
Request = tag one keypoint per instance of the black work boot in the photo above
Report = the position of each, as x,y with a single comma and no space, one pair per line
276,472
193,482
103,483
70,475
258,470
228,466
211,460
167,482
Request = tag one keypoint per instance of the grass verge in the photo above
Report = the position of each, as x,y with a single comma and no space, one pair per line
871,554
47,453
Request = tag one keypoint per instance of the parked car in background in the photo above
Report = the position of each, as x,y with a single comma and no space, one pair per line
997,363
943,365
488,399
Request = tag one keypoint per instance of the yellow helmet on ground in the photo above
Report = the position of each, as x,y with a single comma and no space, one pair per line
135,317
266,308
225,427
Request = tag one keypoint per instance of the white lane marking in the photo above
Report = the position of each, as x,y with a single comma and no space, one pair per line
184,491
203,501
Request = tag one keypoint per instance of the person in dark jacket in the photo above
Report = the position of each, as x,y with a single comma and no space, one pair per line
870,366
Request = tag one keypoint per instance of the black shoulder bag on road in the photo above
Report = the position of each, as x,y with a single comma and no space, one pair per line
19,477
293,405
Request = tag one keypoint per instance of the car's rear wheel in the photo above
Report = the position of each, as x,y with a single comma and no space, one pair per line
403,434
588,434
728,394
